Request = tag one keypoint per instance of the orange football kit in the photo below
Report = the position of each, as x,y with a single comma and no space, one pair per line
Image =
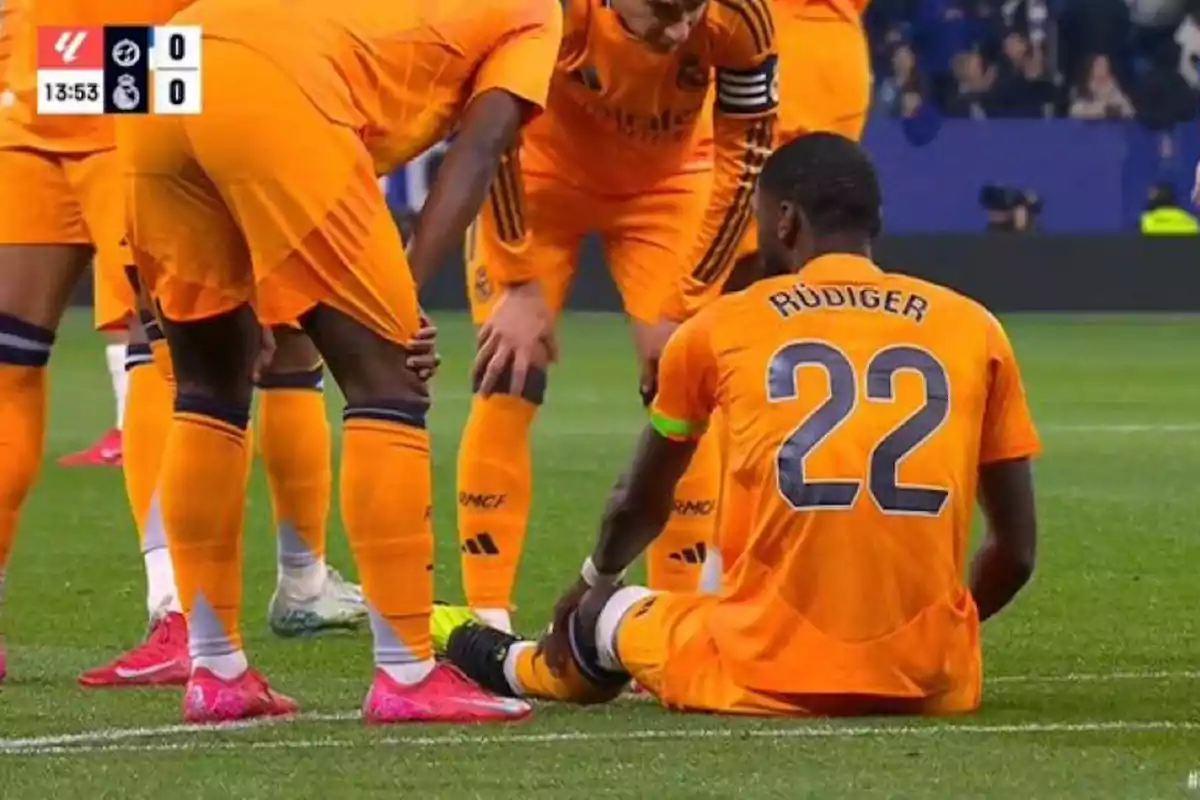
61,180
619,153
861,406
824,85
270,198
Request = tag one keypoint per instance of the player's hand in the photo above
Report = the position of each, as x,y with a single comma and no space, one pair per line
423,358
653,344
519,335
266,353
555,645
1196,187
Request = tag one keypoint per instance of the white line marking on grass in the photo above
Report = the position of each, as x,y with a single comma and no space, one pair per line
666,734
1095,677
111,736
1117,427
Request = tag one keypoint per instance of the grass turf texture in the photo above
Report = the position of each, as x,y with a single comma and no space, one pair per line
1093,688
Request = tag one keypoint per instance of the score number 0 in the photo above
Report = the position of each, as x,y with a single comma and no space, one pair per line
177,87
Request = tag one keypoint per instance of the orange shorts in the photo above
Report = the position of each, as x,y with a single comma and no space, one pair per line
60,198
262,203
646,237
664,642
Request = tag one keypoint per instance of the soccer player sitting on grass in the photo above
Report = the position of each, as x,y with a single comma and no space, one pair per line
865,408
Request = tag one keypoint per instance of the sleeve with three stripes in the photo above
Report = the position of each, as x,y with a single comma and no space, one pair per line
747,96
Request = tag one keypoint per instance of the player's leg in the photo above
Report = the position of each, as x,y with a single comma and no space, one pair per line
659,624
162,657
824,74
43,253
294,441
326,252
651,233
193,260
660,639
495,475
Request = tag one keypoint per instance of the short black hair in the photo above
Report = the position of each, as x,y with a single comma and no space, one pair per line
831,179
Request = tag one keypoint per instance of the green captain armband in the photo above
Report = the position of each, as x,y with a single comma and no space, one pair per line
675,428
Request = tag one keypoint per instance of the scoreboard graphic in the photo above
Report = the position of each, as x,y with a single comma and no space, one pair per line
119,70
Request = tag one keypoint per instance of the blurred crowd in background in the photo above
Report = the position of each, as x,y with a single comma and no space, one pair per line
1019,59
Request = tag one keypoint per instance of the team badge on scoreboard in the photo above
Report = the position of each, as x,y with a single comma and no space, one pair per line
119,70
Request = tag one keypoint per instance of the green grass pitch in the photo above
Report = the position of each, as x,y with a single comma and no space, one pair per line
1093,685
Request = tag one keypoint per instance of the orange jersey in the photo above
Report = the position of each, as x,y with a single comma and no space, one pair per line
860,405
398,71
622,115
20,125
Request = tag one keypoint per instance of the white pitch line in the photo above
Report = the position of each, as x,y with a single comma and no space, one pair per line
666,734
1117,427
1095,677
106,736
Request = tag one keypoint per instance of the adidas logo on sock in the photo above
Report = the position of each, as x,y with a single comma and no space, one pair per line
481,544
691,555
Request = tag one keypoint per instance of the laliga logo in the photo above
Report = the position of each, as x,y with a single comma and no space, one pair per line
68,45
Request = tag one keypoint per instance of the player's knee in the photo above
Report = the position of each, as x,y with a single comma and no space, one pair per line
214,358
295,353
296,363
369,369
533,391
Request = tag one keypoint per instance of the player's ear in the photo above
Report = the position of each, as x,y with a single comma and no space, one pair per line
790,225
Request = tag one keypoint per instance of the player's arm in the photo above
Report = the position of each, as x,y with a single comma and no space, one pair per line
510,88
747,97
1004,562
642,500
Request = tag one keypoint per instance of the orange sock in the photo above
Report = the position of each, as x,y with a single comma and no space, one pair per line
203,489
386,496
294,440
535,679
495,487
675,559
147,422
24,353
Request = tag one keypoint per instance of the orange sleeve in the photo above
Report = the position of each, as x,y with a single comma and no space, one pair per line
747,98
523,60
1008,430
687,381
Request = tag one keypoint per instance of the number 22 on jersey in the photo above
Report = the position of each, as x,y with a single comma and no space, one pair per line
806,492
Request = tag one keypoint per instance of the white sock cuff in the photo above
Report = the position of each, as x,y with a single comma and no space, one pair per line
115,355
510,666
610,622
